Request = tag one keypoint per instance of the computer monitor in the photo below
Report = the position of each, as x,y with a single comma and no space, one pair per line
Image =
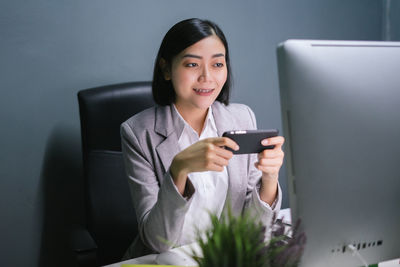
341,119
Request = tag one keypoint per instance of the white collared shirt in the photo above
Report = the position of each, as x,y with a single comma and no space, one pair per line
211,186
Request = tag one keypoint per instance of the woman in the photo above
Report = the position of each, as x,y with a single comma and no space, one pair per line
174,156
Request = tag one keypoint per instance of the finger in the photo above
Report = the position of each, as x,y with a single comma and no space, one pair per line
215,165
270,162
211,149
270,170
225,141
271,153
224,153
217,168
277,141
211,167
216,160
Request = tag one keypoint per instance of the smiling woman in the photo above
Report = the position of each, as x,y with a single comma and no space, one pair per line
198,74
179,38
175,157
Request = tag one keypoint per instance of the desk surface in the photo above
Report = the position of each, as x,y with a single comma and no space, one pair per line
151,259
148,259
285,214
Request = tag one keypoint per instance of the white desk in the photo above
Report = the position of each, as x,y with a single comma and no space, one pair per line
176,256
285,213
151,259
148,259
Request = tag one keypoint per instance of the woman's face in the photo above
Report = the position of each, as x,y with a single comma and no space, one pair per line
198,74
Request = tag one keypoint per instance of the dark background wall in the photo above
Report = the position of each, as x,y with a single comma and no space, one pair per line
393,11
51,49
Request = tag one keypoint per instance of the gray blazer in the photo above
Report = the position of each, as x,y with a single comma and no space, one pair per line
149,143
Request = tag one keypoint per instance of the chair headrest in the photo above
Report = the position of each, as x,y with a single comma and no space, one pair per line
103,109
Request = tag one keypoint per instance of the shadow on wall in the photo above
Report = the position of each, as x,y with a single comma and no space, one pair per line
62,195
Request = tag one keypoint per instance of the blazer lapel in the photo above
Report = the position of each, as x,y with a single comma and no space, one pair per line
168,148
167,151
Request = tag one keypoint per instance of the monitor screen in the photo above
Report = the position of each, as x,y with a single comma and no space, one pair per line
341,119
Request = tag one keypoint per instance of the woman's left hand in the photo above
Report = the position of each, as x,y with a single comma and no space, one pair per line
270,160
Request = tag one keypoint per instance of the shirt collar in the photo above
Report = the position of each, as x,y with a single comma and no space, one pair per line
210,120
180,124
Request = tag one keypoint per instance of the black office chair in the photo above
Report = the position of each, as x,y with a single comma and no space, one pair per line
111,223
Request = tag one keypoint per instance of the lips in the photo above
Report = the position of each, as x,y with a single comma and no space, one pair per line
198,90
203,91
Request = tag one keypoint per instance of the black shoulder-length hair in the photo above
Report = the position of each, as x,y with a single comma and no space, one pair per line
178,38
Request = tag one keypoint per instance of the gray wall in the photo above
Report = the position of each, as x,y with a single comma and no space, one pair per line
394,20
51,49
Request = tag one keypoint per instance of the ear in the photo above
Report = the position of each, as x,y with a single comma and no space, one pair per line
165,69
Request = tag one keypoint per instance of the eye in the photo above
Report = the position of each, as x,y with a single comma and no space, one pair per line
191,65
219,65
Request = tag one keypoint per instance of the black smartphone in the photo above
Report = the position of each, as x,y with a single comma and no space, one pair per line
249,141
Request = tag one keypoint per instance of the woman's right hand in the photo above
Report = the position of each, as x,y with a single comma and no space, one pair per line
206,155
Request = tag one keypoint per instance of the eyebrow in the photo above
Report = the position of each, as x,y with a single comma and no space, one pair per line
199,57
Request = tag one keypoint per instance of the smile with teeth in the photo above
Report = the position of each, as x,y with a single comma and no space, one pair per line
203,90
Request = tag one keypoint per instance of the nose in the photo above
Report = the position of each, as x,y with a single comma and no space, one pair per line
204,74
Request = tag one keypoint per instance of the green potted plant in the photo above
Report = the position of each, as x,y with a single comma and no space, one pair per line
239,241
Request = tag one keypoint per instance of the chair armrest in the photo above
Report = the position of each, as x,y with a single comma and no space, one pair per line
83,246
